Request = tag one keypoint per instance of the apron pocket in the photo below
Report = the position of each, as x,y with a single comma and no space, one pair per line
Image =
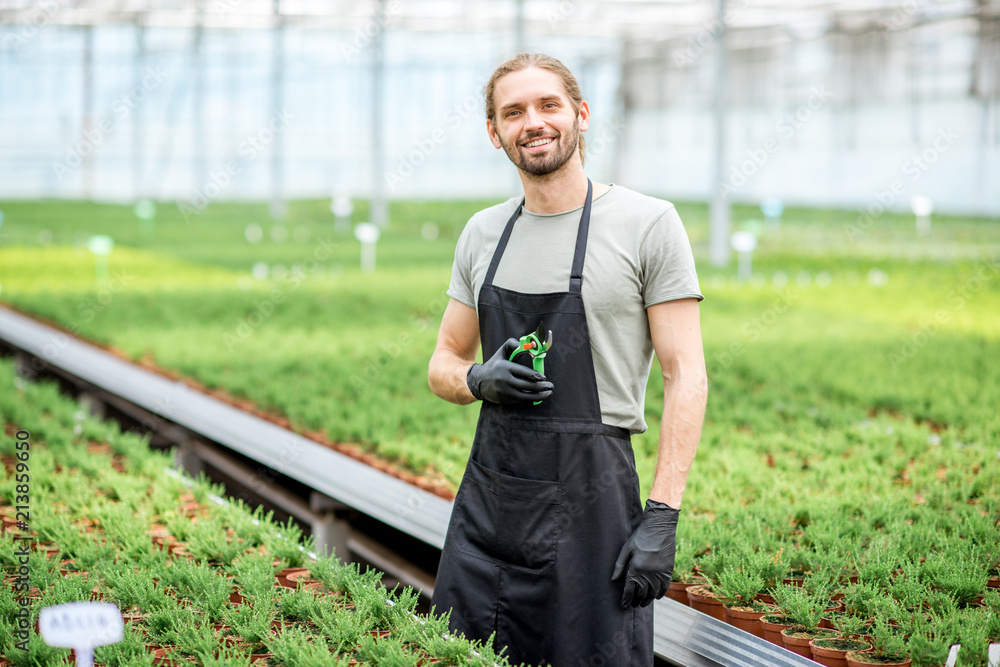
509,520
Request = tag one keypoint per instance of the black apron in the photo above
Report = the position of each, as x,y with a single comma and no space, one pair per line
549,496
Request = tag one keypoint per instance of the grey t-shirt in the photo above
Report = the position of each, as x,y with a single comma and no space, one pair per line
638,254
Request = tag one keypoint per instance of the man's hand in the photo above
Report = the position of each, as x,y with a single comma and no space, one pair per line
647,558
502,381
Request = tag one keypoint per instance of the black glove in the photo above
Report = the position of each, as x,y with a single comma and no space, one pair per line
502,381
648,556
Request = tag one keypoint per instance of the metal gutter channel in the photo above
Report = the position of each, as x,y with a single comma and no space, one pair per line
681,634
690,637
387,498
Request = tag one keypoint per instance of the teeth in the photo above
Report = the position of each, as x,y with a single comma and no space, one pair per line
539,142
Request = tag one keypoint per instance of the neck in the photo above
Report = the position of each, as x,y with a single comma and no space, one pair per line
562,190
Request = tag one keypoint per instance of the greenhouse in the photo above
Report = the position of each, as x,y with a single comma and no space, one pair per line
248,246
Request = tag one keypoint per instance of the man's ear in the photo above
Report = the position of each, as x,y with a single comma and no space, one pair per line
584,116
490,130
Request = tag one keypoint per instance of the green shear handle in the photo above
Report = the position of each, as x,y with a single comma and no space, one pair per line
534,345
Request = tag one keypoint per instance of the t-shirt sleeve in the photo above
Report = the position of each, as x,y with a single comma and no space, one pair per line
460,287
667,262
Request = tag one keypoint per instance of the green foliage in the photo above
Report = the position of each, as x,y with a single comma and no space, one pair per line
739,585
799,605
297,647
288,544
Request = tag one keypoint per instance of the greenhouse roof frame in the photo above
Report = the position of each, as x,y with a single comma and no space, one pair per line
643,21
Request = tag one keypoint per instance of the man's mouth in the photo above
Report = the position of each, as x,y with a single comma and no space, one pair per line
537,143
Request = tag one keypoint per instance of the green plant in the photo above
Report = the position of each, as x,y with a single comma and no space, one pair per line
887,641
957,575
226,657
739,586
297,647
194,639
210,541
251,622
287,544
386,651
341,627
798,605
129,652
684,562
165,621
202,585
132,589
879,564
297,604
848,626
254,574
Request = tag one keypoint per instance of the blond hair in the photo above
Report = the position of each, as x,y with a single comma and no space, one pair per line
524,61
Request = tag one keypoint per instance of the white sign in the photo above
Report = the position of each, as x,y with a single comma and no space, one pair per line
81,626
368,234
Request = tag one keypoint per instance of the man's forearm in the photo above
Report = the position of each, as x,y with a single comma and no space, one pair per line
446,376
684,399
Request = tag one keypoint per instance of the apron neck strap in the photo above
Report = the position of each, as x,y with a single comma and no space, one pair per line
576,274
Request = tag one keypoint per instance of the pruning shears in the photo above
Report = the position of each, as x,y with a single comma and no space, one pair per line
534,344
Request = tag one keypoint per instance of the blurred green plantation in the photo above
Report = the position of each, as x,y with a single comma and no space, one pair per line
858,359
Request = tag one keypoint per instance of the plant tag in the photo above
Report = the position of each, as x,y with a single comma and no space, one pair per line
952,655
994,659
81,626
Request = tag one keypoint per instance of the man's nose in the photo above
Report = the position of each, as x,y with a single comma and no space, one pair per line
533,120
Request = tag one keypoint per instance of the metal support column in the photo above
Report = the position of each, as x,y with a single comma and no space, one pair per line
719,208
330,532
138,158
187,458
92,404
519,26
279,207
379,213
87,122
200,170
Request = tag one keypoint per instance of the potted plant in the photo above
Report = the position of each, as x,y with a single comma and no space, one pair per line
832,651
684,575
888,647
739,587
805,611
703,596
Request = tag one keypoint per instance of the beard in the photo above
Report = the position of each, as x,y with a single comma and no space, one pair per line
553,160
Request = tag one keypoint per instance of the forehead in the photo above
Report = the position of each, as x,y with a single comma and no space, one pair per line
527,85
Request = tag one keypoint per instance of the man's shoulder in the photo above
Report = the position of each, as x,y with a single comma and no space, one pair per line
491,214
637,204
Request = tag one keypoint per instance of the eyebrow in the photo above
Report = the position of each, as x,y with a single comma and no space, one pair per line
544,98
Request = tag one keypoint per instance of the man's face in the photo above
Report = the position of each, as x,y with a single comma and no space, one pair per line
536,124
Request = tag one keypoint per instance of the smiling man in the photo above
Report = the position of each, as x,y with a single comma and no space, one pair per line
549,547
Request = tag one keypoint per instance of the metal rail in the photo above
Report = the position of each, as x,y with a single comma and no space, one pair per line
683,636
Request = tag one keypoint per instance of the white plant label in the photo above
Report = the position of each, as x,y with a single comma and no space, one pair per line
81,626
994,658
953,655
